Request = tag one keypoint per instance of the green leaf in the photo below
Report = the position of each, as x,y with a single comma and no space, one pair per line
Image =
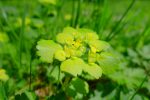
69,30
65,38
77,88
99,45
73,66
60,55
94,70
87,35
127,96
131,77
46,50
145,52
92,57
54,74
108,62
25,96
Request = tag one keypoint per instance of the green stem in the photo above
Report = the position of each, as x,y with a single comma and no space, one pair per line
139,87
110,35
22,31
73,10
9,25
77,13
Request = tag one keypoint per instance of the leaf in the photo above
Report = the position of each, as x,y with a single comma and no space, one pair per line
60,55
94,70
92,57
99,45
70,30
46,50
25,96
88,34
145,51
54,74
65,38
77,88
108,62
127,96
131,77
73,66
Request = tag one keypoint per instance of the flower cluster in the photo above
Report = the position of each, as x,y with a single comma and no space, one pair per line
78,50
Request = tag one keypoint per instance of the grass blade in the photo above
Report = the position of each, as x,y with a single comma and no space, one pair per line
113,31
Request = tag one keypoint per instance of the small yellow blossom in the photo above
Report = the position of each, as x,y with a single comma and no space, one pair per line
67,17
93,49
3,37
3,76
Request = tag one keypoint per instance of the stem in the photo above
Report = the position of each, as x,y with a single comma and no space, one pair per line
142,36
30,82
110,35
117,96
139,87
9,25
77,13
21,37
73,9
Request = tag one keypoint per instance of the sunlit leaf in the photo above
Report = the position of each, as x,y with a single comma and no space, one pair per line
46,50
88,34
60,55
92,57
73,66
108,62
98,45
94,70
70,30
65,38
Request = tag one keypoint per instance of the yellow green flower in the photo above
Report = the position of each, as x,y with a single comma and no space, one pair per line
79,51
3,76
3,37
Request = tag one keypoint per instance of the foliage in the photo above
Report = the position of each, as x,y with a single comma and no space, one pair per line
74,50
